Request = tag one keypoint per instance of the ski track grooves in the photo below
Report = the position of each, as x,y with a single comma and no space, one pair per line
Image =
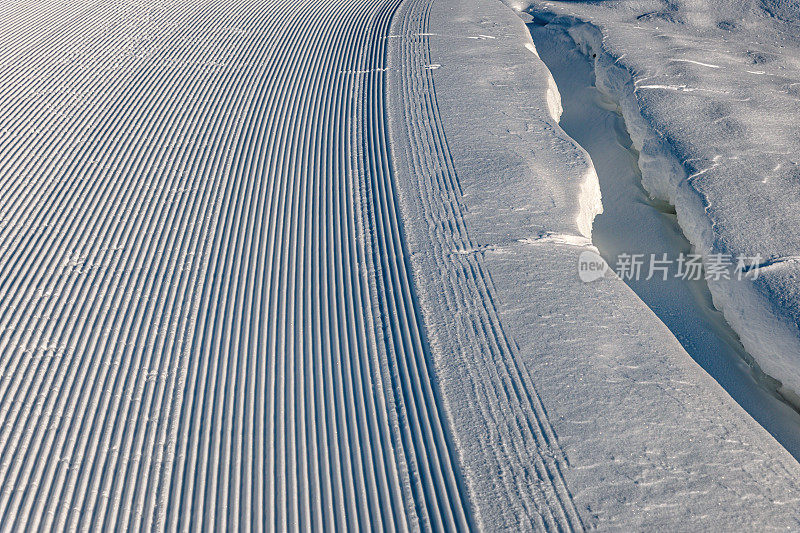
523,451
206,311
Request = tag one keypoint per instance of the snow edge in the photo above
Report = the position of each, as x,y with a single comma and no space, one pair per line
768,336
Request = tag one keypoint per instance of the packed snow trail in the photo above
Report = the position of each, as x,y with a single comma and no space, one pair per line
523,453
206,312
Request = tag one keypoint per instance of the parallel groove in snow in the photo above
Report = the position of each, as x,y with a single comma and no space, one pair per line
206,315
527,453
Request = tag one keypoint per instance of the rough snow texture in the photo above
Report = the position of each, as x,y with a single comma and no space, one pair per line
710,91
545,379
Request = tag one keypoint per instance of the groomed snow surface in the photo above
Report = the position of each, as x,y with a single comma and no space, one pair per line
207,318
293,265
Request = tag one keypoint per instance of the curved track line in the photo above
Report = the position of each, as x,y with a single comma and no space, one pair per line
527,453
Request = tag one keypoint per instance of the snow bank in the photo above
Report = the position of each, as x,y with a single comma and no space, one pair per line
590,202
763,310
